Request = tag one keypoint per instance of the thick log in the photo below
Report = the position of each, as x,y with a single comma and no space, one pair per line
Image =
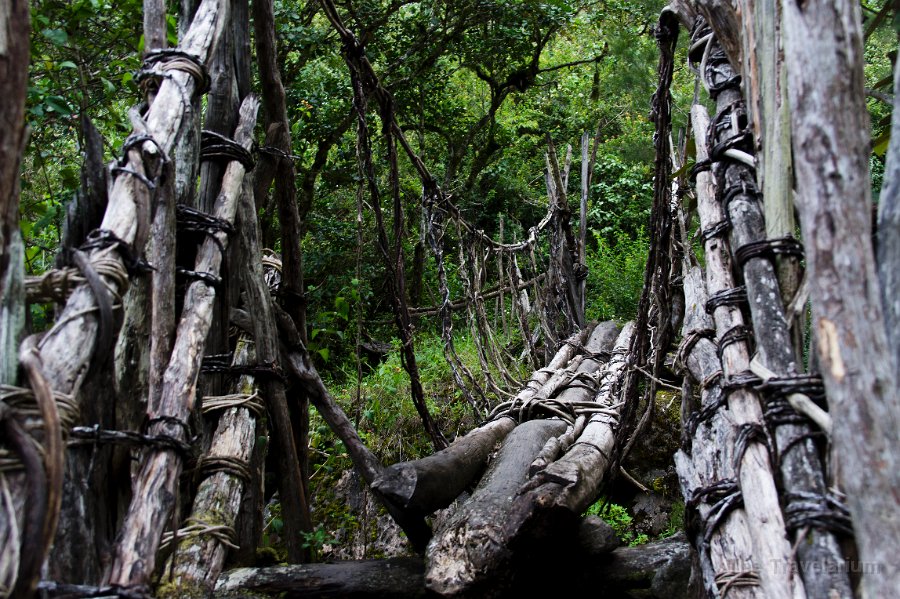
471,542
477,543
800,467
830,126
770,543
726,546
154,490
432,483
199,556
658,570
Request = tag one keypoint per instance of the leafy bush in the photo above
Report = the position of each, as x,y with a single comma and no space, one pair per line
615,277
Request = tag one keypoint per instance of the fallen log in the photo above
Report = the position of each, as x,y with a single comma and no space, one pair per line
473,548
658,570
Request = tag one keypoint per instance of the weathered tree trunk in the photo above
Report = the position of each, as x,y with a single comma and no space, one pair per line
200,548
659,570
754,472
265,334
154,25
824,55
154,490
889,233
15,28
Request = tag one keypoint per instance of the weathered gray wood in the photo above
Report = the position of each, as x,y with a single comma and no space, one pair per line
194,567
765,89
889,233
67,349
434,482
830,127
154,25
154,490
710,458
723,18
471,541
770,544
800,467
572,482
658,570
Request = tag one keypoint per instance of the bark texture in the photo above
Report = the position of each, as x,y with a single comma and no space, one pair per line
824,54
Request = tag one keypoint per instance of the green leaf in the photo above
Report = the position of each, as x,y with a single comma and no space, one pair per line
880,144
58,105
324,353
67,64
58,37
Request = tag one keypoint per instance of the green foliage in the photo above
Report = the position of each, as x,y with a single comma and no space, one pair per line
615,277
619,519
676,520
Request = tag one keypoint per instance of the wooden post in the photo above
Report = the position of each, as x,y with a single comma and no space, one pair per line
830,127
201,546
723,540
770,544
802,478
154,490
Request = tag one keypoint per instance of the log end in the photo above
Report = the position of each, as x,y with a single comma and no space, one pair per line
398,483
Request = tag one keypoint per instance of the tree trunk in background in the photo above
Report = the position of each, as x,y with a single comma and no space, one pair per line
278,127
823,50
15,27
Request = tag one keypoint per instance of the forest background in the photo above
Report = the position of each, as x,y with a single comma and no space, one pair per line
479,86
